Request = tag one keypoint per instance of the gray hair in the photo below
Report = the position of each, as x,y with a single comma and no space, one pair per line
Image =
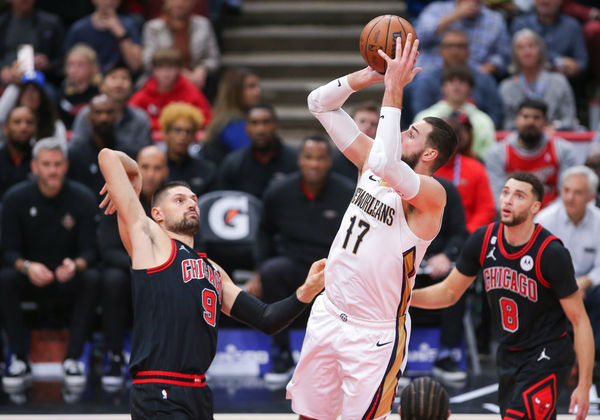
49,143
588,173
514,66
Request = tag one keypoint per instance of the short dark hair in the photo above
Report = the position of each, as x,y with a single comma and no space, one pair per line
534,104
118,65
318,139
157,196
462,73
369,106
266,107
443,139
531,179
424,399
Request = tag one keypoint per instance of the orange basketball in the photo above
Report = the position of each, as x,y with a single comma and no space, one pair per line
381,33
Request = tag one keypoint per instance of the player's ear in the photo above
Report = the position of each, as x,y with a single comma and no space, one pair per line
430,154
157,214
536,206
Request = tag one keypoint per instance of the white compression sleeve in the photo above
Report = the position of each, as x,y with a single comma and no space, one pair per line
385,159
325,104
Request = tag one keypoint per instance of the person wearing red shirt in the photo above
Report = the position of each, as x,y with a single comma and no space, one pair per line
167,84
469,176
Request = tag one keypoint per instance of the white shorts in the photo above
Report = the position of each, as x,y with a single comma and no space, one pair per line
348,366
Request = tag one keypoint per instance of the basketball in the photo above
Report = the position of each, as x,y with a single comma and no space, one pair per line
381,33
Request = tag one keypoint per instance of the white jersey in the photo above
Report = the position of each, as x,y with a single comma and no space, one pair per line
374,257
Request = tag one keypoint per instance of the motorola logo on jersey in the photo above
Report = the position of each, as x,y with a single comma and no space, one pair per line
228,218
509,279
526,263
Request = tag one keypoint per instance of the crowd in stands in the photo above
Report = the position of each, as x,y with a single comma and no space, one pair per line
148,81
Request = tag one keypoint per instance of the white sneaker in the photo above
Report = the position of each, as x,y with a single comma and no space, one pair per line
74,372
18,372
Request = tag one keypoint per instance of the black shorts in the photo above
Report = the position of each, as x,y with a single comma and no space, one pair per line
530,380
166,401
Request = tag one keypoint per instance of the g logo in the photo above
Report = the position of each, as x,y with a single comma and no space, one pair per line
228,218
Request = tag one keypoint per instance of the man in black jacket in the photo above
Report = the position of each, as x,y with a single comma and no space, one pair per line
252,168
49,248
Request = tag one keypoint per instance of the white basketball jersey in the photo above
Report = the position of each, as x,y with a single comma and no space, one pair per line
374,257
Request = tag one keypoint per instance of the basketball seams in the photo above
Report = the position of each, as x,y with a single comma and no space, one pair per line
387,38
368,37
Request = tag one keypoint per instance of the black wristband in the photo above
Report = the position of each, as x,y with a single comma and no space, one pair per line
123,37
270,318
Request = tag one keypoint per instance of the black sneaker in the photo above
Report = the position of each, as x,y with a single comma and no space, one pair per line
17,374
113,376
74,371
281,369
447,369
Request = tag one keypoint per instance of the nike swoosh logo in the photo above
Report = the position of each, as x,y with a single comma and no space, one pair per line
382,344
373,178
339,83
381,117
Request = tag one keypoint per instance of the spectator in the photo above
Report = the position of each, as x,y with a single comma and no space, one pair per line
436,264
49,250
238,89
530,149
267,158
23,24
589,16
15,151
454,50
180,123
167,85
190,34
81,82
457,85
469,177
83,155
28,90
530,80
132,129
592,161
561,33
300,216
112,36
486,29
576,221
116,281
424,399
366,117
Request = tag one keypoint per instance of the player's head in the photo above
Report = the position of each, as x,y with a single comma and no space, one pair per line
175,208
521,198
314,159
50,164
424,399
153,165
578,186
366,117
428,144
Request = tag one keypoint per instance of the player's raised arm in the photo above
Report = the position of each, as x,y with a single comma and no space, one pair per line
123,185
274,317
325,103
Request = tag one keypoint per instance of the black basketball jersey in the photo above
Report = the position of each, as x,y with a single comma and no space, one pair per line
176,314
523,289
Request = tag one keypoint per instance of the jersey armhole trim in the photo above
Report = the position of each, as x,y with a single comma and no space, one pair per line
486,241
538,259
166,263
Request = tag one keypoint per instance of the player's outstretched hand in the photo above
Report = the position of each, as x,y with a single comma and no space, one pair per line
106,204
314,283
400,70
580,398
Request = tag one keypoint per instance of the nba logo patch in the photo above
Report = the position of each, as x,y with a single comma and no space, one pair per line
164,394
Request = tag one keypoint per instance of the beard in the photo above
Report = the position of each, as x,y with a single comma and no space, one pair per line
530,138
185,226
21,146
411,160
516,219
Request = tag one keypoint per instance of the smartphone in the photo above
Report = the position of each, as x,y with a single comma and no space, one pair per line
25,57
